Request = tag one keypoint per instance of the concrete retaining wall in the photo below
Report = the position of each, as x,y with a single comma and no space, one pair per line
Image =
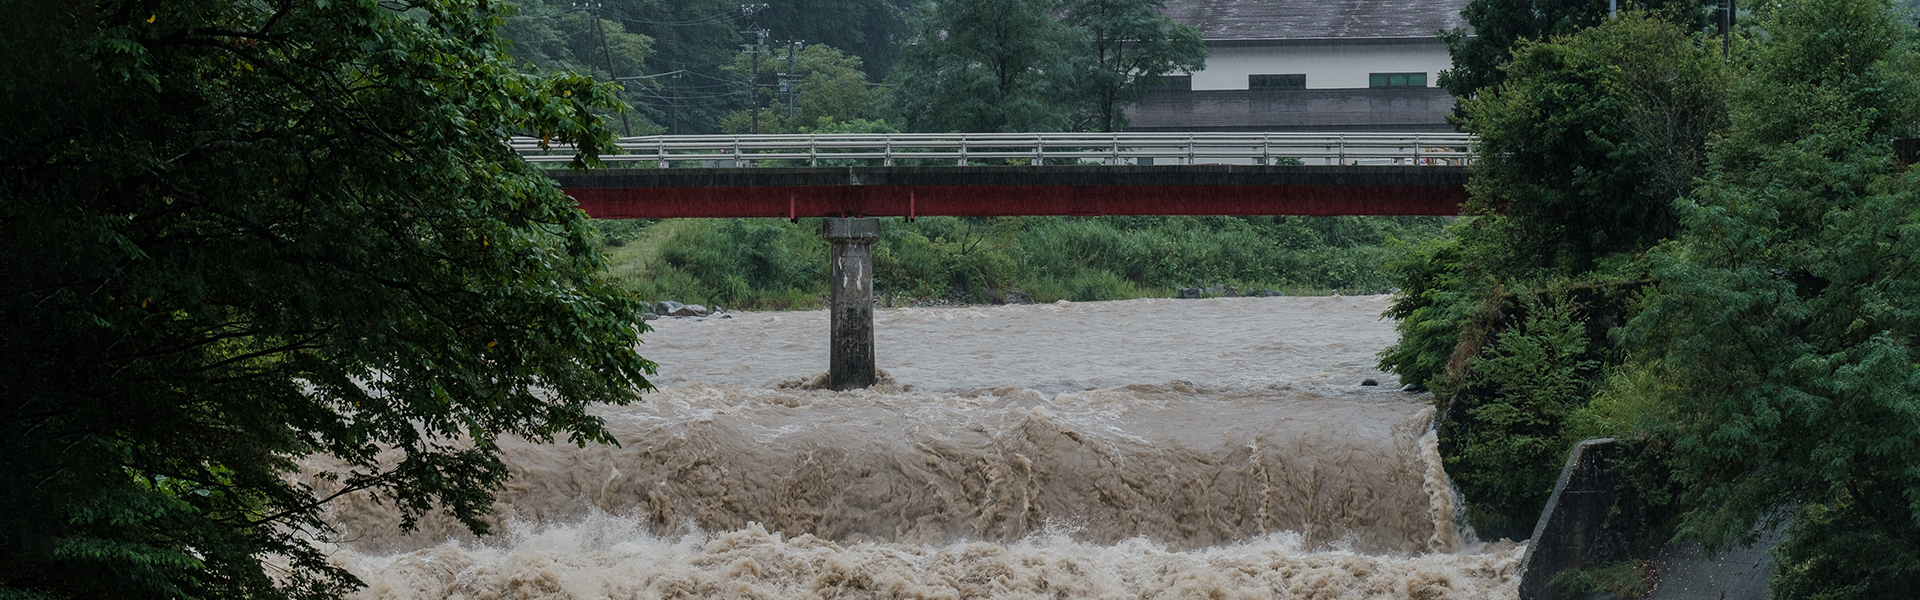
1590,520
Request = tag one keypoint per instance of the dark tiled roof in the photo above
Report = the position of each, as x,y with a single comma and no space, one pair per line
1364,109
1295,19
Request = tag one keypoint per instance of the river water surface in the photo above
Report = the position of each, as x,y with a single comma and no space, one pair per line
1154,448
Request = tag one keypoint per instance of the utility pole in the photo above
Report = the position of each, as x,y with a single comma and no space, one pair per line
675,106
593,27
1726,31
758,46
789,84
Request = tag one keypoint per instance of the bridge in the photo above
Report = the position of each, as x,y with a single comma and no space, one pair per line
851,178
1076,174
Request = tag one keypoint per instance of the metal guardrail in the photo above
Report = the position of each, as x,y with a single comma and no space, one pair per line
998,149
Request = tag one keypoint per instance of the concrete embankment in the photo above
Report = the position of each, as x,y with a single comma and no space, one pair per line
1592,520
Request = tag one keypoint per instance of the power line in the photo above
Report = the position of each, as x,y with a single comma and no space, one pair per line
704,20
707,20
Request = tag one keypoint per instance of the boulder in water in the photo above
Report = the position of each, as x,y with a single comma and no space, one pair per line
666,307
690,310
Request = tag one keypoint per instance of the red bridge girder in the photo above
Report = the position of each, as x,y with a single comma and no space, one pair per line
1018,191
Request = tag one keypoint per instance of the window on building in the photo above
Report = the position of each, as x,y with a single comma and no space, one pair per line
1397,80
1277,82
1178,83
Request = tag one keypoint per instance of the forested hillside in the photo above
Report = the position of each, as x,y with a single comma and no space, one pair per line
682,63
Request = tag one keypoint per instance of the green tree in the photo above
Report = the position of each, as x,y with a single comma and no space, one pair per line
1495,27
1131,45
237,234
1591,139
989,66
1784,326
550,37
872,30
1583,150
1505,455
828,84
693,38
556,37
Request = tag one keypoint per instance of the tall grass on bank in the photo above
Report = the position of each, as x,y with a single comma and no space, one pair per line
776,264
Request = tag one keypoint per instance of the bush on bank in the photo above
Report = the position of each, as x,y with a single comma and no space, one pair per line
776,264
1507,317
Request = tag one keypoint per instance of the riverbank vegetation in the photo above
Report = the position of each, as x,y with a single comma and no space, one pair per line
1709,256
237,236
776,264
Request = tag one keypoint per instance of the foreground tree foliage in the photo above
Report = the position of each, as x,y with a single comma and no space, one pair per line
1585,146
1783,329
1760,361
239,233
1597,133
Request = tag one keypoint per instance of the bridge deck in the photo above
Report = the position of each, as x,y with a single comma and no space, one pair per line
1017,191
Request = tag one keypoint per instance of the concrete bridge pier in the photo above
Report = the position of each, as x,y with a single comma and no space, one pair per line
851,304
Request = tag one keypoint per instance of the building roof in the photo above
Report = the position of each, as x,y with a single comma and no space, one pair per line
1316,19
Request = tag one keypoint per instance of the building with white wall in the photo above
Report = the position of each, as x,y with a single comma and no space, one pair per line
1296,65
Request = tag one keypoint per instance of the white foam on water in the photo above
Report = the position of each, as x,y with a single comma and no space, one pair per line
1203,464
604,556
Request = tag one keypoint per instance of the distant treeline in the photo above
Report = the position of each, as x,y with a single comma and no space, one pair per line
800,66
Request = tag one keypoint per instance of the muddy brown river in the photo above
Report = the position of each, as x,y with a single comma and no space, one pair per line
1154,448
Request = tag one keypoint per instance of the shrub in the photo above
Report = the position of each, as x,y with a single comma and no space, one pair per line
1507,453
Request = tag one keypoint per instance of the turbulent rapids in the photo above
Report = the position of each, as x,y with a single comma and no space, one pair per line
1140,449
